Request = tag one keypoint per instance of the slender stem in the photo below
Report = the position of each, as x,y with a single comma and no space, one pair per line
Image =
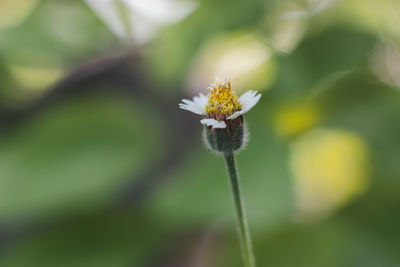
244,233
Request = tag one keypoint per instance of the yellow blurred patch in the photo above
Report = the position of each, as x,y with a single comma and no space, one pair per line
295,119
36,78
13,12
242,56
329,167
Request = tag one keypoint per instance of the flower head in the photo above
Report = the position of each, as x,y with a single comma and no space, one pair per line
221,104
222,113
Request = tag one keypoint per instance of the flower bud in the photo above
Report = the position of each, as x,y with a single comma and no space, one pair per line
228,139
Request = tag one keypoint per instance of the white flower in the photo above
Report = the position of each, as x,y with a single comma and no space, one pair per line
140,19
221,104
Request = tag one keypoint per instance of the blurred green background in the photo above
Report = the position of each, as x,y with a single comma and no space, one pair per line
99,167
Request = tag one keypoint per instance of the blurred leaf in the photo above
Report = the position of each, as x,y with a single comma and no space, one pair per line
177,44
380,19
337,244
50,35
76,154
36,78
40,50
112,239
322,55
341,241
7,84
363,105
13,12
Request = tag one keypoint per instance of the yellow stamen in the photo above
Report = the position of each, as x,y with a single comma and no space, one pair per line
222,102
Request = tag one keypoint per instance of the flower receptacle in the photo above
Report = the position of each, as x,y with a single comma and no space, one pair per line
226,140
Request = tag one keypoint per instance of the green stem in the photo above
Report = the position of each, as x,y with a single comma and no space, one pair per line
244,233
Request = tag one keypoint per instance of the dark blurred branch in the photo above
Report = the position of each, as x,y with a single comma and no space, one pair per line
123,73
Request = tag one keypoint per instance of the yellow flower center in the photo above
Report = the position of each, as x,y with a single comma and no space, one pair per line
222,102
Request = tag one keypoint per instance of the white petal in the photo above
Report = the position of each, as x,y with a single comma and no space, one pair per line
214,123
187,101
236,114
198,105
248,100
245,95
201,100
191,106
